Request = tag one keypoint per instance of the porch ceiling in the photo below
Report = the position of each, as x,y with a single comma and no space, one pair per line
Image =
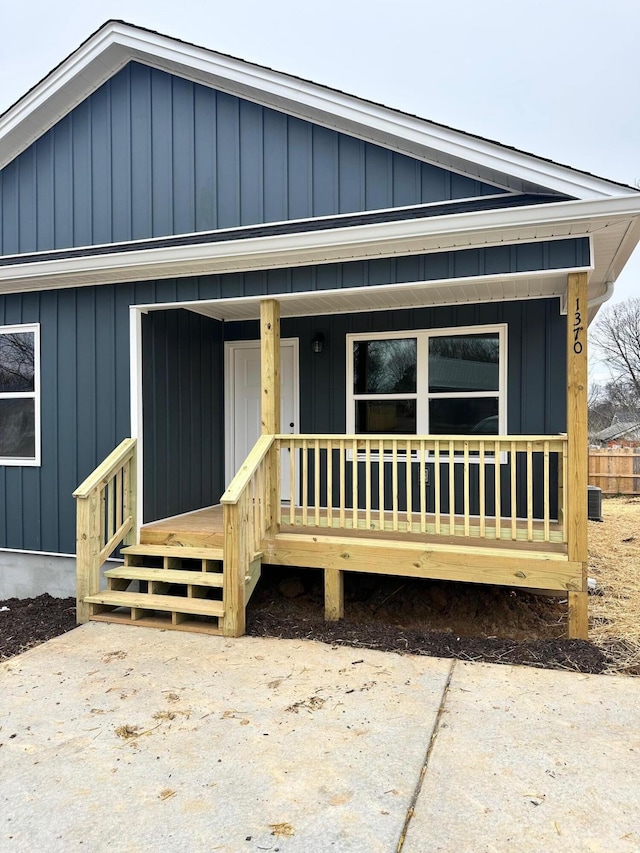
391,296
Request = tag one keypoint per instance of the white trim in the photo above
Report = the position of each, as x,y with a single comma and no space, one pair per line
51,554
229,397
136,407
219,309
406,237
360,242
109,49
422,395
36,460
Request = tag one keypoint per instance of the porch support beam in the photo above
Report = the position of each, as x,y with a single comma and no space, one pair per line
270,366
577,448
270,402
333,595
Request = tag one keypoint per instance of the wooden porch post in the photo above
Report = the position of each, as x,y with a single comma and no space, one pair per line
577,451
270,399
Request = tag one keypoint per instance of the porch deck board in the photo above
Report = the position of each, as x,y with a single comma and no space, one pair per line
204,528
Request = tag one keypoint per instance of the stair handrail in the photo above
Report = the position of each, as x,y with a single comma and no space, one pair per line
246,471
249,512
105,518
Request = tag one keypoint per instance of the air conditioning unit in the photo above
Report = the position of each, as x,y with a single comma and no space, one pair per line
594,504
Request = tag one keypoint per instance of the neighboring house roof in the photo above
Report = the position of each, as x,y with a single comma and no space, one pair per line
568,202
618,430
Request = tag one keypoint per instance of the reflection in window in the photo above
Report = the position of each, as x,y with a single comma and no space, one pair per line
19,395
464,363
384,366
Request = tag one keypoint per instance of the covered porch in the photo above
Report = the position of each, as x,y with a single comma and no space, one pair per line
501,509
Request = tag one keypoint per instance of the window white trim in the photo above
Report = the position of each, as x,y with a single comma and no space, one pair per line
422,394
30,461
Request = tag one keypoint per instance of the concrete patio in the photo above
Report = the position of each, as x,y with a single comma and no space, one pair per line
132,739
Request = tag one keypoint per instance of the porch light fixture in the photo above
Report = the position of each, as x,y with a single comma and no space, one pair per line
318,342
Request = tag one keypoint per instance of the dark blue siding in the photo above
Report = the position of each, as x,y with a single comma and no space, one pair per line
85,372
150,154
183,412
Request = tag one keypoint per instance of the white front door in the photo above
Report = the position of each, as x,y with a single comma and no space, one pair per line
242,402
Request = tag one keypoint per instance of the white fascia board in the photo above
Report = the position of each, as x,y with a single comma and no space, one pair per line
117,43
361,242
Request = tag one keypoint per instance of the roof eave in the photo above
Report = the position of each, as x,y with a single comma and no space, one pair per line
302,248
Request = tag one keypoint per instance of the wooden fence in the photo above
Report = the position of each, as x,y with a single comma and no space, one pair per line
616,470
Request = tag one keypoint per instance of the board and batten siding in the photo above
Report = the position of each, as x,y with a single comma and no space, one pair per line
183,412
150,154
85,364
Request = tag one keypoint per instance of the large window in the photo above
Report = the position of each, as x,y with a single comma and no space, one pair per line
19,395
430,382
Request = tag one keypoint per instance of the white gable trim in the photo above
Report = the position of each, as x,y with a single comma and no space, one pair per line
115,44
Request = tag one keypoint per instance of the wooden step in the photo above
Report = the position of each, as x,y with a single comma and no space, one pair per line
169,603
182,576
188,553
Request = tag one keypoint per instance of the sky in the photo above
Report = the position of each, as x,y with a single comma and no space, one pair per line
558,78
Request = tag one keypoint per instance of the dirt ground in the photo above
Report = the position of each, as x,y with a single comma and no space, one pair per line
464,621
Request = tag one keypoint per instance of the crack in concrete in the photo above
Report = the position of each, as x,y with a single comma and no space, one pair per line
423,771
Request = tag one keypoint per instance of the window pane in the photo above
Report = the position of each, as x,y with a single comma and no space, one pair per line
382,416
384,367
17,429
464,363
460,417
16,362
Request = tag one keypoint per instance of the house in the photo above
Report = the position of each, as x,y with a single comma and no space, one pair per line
624,429
261,321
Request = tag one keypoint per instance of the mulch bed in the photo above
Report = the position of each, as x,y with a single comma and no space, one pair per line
572,655
275,612
30,621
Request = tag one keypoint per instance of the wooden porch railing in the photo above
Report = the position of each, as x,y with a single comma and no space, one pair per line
248,514
106,518
523,497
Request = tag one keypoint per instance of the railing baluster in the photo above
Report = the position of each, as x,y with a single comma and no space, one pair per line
423,489
305,482
394,483
529,492
293,455
354,484
110,526
466,486
329,483
343,499
514,492
316,481
452,490
482,508
119,506
408,483
546,491
381,484
436,484
367,486
497,496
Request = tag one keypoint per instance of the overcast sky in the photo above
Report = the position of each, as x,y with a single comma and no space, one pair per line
558,78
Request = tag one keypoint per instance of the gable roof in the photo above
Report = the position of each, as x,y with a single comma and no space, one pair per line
561,203
116,43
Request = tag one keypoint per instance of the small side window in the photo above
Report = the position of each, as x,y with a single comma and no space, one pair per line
20,395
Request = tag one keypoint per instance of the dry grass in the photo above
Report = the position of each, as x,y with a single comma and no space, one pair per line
614,561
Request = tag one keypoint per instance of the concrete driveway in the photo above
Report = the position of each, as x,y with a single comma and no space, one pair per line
116,738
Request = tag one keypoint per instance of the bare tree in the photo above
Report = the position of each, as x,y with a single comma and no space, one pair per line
616,338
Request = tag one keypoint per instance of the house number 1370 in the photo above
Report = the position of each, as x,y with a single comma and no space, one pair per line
577,328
